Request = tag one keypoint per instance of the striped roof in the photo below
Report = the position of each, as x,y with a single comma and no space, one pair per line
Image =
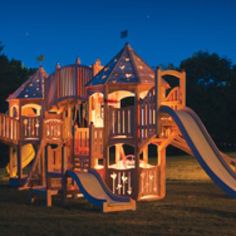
31,88
125,67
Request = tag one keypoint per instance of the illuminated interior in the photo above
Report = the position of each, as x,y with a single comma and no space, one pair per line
121,157
31,110
96,109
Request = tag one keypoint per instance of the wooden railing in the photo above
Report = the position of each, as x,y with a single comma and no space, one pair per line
81,141
30,128
122,182
148,184
53,130
9,129
173,99
147,126
174,95
88,145
121,120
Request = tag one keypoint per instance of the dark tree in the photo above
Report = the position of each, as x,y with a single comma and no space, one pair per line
12,75
211,90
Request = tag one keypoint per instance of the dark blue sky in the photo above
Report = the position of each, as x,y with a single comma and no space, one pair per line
162,32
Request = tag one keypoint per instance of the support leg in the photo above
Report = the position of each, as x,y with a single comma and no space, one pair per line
162,164
19,162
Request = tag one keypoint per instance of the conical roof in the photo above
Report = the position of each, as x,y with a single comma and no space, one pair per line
125,67
31,88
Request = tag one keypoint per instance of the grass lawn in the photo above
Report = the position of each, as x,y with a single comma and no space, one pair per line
193,206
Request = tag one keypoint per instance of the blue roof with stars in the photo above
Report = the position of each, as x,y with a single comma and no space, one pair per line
125,67
32,88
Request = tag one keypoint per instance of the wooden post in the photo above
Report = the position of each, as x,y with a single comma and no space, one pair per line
183,88
136,124
11,161
19,162
117,153
90,99
45,177
63,159
42,165
145,154
162,165
63,171
158,98
106,134
92,158
72,158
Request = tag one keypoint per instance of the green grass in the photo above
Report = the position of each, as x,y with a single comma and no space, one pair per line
193,206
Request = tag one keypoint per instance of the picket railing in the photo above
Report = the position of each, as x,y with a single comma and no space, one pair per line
173,99
147,126
53,130
31,128
81,141
121,182
148,183
9,129
121,121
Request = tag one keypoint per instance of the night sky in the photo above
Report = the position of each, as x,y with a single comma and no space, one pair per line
162,32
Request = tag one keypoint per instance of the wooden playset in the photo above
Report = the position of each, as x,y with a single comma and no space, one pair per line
102,131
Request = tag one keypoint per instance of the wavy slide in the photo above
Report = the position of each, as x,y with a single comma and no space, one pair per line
96,192
204,148
27,154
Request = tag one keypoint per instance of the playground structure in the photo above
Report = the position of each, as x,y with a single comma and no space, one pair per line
90,129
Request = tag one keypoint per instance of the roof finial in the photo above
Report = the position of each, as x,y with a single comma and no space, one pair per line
127,44
41,69
58,66
98,61
78,61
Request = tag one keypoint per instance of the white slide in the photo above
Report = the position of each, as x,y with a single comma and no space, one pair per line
96,192
204,149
